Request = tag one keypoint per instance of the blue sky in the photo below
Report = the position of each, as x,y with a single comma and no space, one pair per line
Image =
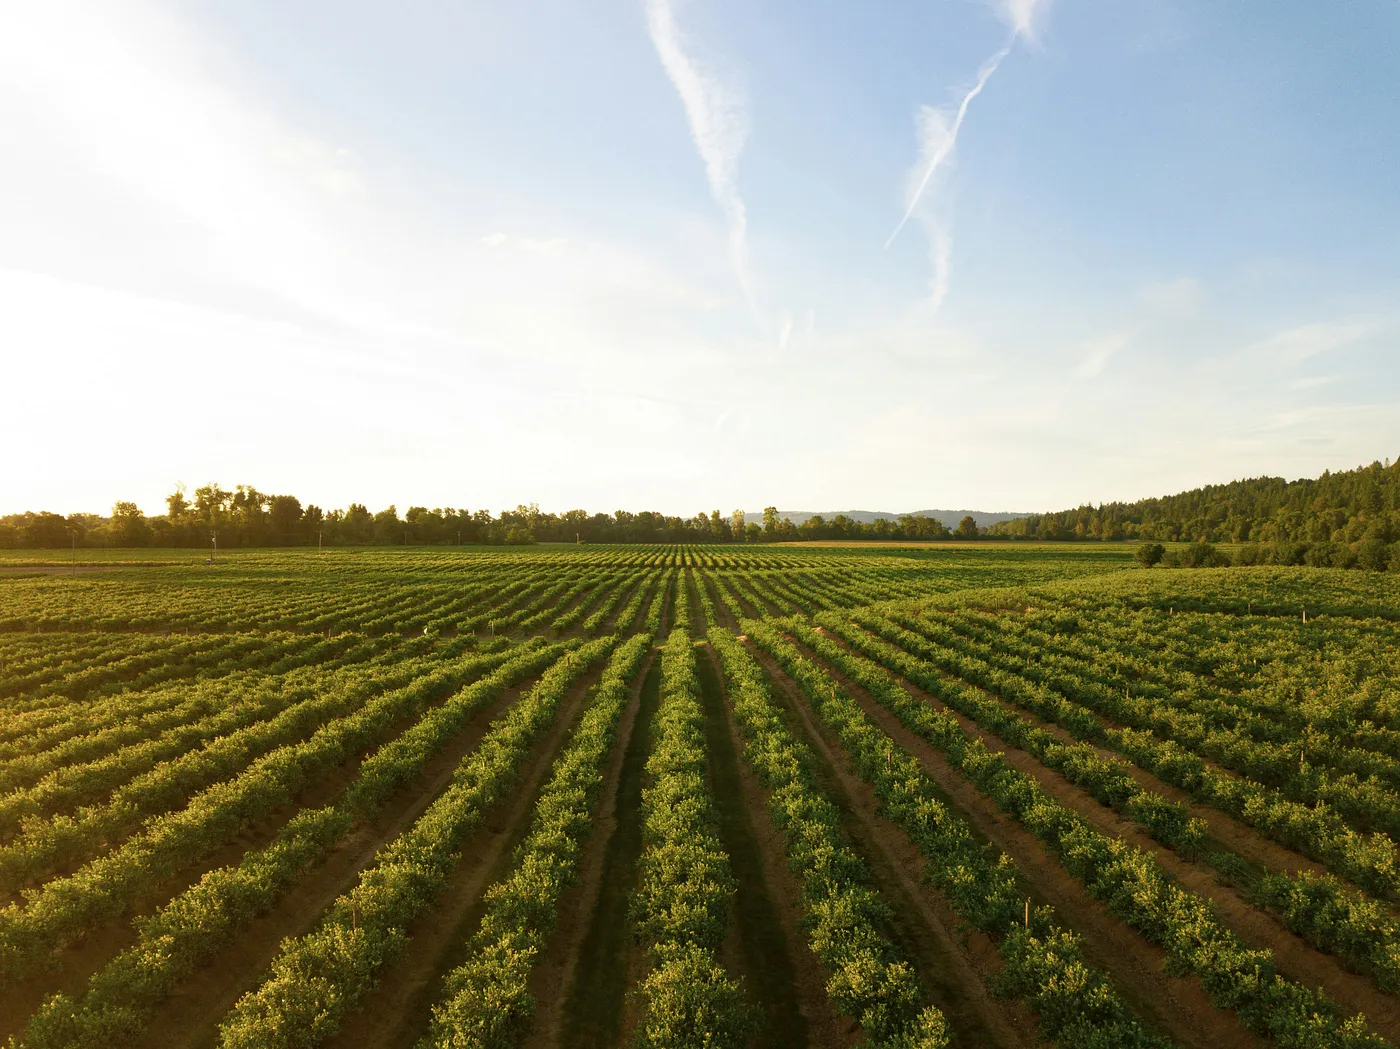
637,254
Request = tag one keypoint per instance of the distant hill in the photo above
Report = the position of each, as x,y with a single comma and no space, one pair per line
948,517
1346,507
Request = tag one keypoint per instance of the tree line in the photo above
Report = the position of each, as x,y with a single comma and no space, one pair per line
245,517
1348,507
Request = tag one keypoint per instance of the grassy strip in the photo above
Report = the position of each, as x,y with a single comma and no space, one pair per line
319,977
485,1002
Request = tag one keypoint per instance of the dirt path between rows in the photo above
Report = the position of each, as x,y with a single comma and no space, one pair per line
559,967
954,964
722,612
1255,927
764,944
191,1017
820,1025
597,1012
1176,1005
1250,843
74,965
397,1012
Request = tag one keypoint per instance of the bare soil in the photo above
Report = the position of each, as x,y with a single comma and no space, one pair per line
597,1011
396,1013
1176,1005
1255,926
954,964
558,968
761,948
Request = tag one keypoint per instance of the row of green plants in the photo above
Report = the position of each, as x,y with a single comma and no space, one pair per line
548,612
204,660
1107,781
317,978
655,608
1260,739
680,607
1134,887
23,655
1318,831
485,1002
103,726
46,683
48,845
191,930
609,591
1044,964
1356,929
684,885
630,592
141,781
628,611
707,602
125,742
66,908
870,981
727,598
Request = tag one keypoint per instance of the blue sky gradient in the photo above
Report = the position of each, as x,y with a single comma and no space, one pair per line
634,253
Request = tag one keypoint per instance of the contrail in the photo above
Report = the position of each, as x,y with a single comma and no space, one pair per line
944,149
718,124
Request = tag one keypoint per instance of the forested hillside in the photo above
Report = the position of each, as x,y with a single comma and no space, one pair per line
1353,506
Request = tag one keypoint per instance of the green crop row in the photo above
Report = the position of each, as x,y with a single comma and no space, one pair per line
66,908
684,882
485,1002
189,931
1135,888
1369,861
1348,924
869,982
1044,964
317,978
1230,733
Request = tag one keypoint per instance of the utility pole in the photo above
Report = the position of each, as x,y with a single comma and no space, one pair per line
318,540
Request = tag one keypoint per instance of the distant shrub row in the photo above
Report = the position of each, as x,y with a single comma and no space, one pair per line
1371,555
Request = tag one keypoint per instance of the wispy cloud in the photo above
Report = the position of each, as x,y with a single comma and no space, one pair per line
1021,15
718,118
938,134
938,129
1155,306
1298,344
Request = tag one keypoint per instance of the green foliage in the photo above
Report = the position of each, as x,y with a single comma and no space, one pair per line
485,1002
1149,554
317,978
681,908
1134,887
869,980
982,890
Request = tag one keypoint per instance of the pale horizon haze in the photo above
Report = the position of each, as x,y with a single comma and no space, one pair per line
686,254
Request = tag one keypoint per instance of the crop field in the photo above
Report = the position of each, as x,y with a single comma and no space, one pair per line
978,796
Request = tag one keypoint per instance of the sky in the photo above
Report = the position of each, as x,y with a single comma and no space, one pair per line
687,254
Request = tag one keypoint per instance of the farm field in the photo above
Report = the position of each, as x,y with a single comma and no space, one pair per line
956,795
